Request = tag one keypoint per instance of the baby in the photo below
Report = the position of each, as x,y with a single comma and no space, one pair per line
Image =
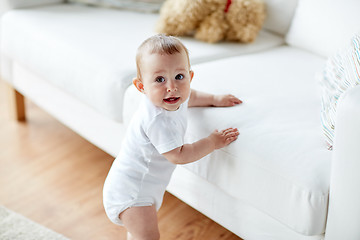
154,143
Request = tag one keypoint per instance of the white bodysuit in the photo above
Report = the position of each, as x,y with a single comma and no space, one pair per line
140,174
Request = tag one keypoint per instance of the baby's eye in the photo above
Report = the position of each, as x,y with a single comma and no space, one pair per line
179,77
160,79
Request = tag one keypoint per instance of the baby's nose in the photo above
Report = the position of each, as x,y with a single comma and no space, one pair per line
171,87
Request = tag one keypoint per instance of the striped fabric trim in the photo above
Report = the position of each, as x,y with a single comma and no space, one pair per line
341,72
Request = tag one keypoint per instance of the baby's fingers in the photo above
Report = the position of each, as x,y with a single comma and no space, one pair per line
234,100
230,131
230,134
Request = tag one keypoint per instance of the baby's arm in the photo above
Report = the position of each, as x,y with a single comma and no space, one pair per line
201,99
192,152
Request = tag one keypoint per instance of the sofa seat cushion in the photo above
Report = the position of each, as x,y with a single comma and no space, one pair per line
279,164
90,52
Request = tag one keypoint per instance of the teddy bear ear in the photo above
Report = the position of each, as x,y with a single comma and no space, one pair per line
245,19
180,17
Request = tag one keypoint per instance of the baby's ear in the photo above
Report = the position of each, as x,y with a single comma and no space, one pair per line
191,75
138,84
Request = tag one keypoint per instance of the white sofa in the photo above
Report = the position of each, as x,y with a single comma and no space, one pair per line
77,63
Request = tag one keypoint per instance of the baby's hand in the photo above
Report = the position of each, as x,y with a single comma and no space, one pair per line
226,100
224,137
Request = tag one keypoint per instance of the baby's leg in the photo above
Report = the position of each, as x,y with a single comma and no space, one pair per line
141,223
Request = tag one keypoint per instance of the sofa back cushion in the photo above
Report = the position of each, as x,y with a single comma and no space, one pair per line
138,5
322,26
279,14
278,19
12,4
102,62
341,73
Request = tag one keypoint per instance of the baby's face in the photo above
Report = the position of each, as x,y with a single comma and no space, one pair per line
166,79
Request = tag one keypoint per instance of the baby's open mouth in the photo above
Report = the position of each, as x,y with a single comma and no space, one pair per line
171,100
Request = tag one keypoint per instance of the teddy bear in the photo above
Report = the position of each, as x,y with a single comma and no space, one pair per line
212,20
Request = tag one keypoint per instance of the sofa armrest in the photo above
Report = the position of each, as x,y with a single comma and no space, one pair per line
13,4
344,203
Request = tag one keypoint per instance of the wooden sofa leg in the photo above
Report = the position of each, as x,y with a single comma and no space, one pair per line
17,104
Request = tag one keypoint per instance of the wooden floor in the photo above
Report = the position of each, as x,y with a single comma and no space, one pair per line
51,175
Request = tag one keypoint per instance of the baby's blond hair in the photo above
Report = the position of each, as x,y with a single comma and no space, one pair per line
160,44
